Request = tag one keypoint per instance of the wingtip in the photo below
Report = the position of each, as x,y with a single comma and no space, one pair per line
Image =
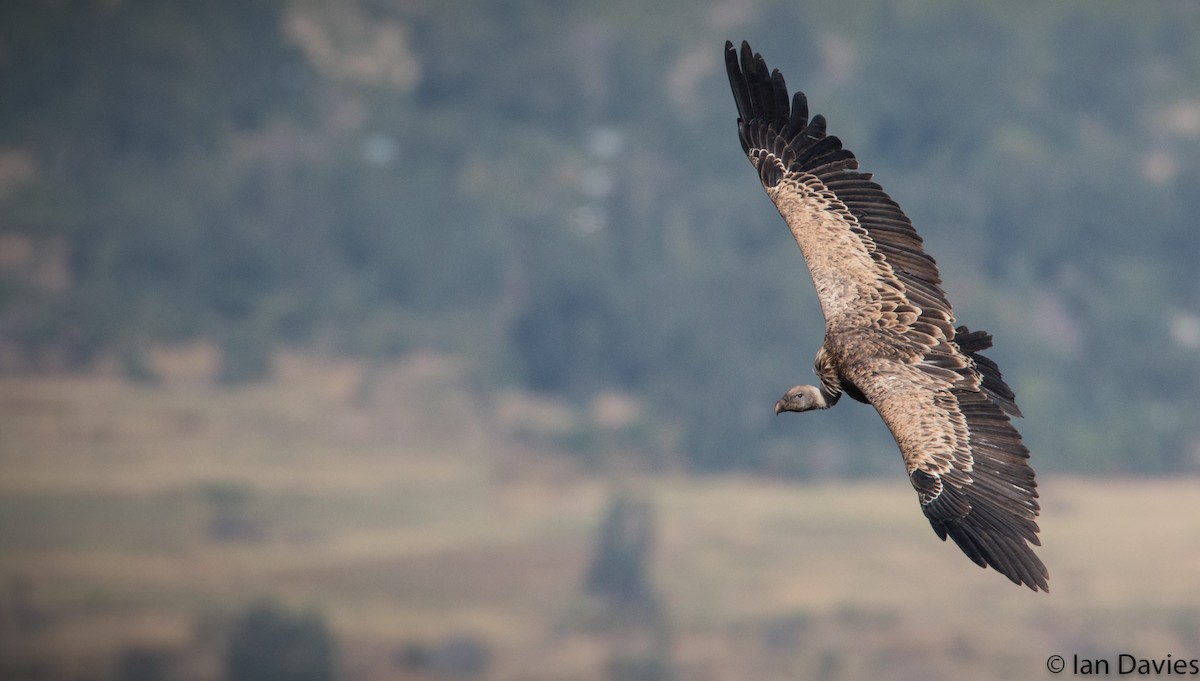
1010,556
749,56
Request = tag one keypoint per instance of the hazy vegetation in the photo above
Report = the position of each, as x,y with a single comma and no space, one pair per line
270,644
390,333
555,190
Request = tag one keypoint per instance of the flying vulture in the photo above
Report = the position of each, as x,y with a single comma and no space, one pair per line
890,335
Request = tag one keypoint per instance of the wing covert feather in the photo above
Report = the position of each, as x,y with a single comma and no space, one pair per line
890,330
966,461
861,249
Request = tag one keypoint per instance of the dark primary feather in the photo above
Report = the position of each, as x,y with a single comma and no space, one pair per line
767,122
890,333
975,342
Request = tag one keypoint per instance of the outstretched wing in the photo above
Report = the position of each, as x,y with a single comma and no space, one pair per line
865,258
946,404
963,455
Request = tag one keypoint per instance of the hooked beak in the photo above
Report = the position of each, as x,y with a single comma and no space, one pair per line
779,407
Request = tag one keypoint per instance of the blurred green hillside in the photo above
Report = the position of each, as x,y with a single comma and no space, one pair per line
554,193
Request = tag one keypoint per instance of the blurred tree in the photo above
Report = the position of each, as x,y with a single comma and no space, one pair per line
620,570
139,663
636,630
455,656
270,644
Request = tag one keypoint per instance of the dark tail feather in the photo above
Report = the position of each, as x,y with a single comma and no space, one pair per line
975,342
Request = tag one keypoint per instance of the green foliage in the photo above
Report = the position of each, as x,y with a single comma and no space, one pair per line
558,192
270,644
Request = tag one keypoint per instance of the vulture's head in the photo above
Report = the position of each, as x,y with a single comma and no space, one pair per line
801,398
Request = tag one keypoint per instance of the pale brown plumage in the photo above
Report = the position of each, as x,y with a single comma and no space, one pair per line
890,338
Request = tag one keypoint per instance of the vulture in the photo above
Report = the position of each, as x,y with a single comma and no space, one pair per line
890,334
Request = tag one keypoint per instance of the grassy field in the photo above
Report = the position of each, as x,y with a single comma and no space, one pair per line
385,499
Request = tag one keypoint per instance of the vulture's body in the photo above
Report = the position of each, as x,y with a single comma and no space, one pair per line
890,338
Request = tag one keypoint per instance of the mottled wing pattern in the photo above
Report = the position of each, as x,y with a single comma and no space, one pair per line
862,251
964,457
945,403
